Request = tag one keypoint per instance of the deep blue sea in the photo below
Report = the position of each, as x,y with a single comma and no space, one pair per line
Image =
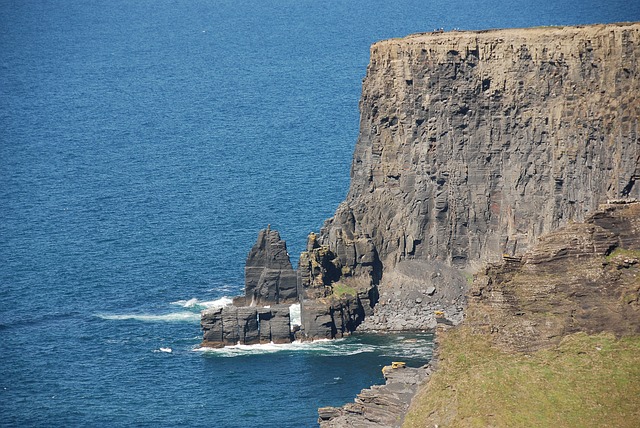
143,144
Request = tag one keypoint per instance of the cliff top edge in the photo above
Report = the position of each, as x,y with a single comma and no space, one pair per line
512,33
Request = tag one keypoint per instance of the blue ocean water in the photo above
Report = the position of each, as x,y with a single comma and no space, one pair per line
143,144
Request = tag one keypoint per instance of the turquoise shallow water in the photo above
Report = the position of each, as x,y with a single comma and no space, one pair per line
143,144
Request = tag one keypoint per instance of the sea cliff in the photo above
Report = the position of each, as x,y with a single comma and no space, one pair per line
499,154
491,167
472,146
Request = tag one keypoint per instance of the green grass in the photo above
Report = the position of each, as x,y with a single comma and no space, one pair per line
622,252
340,289
586,381
468,276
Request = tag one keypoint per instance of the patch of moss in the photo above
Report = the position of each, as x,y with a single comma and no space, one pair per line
586,381
623,253
340,289
468,277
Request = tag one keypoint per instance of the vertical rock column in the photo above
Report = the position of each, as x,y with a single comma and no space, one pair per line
269,276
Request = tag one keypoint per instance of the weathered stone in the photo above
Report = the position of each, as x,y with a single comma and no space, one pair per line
248,325
280,324
326,413
211,323
269,276
412,299
264,319
568,282
230,333
380,405
245,325
317,320
471,148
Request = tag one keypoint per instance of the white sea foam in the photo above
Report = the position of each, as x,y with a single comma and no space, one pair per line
323,347
186,303
196,303
171,317
294,314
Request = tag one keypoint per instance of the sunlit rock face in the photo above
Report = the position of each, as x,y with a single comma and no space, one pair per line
474,144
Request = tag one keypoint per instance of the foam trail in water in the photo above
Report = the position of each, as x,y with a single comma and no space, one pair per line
322,347
172,317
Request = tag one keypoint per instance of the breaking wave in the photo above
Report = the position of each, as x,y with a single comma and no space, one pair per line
420,347
294,313
191,314
325,347
199,304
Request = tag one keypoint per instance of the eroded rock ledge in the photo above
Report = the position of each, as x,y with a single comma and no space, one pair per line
381,405
584,277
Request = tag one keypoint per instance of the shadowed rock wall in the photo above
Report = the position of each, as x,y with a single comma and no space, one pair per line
269,276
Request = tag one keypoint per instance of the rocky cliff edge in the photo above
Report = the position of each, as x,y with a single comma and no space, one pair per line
472,145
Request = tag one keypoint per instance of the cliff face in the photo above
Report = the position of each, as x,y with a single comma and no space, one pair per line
474,144
584,277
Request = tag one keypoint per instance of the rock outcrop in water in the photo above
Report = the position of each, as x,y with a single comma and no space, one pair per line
262,315
381,406
472,145
269,276
246,325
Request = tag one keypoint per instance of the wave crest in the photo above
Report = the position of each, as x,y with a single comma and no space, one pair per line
195,303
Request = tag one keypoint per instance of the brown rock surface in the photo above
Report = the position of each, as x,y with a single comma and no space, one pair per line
583,277
472,145
378,406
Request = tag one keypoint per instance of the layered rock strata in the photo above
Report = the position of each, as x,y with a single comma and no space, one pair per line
232,325
336,317
472,145
378,406
584,277
269,276
260,316
334,301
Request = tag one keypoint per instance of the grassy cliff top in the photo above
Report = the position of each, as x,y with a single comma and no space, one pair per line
586,381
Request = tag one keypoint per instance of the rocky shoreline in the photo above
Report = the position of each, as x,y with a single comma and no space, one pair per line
381,405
